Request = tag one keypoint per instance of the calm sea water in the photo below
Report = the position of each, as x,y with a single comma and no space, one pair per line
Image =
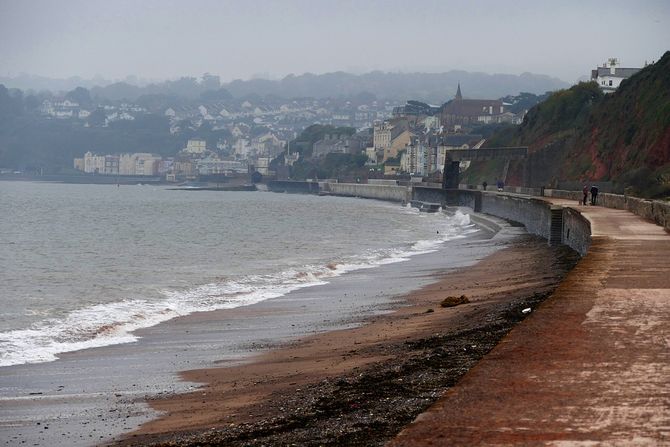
85,265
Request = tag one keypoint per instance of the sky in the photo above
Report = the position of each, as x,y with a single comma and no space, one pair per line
242,39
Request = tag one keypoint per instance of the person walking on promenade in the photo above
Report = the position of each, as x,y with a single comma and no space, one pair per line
485,185
585,191
594,194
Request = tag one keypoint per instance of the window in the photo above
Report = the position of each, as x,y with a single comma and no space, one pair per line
610,82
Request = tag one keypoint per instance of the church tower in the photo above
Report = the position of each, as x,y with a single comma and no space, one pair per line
458,97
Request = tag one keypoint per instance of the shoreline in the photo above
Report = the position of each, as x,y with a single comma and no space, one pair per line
363,384
97,395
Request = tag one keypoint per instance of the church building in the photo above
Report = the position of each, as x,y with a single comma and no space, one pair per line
467,112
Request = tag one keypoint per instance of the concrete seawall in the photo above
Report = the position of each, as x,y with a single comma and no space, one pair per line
653,210
554,223
380,192
290,186
557,224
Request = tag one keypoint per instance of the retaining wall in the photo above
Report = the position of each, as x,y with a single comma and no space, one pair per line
576,231
653,210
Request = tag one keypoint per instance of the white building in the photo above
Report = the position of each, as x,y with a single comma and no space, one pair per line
262,165
196,146
415,160
94,164
126,164
382,136
241,148
139,164
609,76
214,165
266,145
147,164
60,109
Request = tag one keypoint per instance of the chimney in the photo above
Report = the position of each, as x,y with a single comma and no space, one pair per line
613,63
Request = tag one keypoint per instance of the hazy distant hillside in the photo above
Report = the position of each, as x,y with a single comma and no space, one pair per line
429,87
436,88
582,134
42,83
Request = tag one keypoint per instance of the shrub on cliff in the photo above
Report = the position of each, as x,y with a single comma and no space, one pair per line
580,134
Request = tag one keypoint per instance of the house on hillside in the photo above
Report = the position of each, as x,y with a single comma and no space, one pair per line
266,145
398,144
60,109
390,137
467,112
195,146
609,76
341,143
416,158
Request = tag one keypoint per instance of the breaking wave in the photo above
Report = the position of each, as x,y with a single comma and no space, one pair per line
115,323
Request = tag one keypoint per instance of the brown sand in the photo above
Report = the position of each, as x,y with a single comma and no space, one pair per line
361,386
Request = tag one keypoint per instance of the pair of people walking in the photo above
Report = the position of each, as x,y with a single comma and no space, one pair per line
594,194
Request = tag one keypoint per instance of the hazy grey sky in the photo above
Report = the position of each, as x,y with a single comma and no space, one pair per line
163,39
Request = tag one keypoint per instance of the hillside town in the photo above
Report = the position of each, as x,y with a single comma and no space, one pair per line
396,139
219,136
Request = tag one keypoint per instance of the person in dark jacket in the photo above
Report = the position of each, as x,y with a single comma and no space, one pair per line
585,191
594,194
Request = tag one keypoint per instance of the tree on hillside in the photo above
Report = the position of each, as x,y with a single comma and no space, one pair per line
304,143
216,95
81,96
187,87
11,103
210,82
32,103
98,117
158,103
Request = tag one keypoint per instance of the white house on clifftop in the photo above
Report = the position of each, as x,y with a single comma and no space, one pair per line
609,76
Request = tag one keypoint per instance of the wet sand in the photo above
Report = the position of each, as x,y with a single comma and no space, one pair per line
362,385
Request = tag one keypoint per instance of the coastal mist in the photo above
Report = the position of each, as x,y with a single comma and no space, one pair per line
84,266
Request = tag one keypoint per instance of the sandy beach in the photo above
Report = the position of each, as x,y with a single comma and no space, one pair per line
97,395
362,385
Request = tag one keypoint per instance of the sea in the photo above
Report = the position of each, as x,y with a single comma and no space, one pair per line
86,266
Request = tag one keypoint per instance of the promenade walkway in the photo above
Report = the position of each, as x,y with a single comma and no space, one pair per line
590,366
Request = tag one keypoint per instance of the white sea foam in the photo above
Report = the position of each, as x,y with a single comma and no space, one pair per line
115,323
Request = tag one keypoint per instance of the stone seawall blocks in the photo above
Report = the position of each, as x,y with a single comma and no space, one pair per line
379,192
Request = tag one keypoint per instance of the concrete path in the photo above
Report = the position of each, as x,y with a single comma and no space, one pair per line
590,366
